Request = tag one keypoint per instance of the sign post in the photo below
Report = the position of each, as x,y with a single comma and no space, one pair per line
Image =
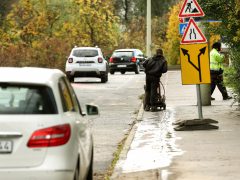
148,38
200,113
195,66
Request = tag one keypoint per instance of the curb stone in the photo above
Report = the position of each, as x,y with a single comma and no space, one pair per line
127,144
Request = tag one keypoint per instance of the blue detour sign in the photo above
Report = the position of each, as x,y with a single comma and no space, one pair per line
182,27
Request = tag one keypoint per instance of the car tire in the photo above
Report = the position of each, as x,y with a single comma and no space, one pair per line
123,72
104,78
137,71
71,79
90,170
112,72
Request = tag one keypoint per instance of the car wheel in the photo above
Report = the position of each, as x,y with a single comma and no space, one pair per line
90,170
112,72
104,78
76,173
137,69
122,72
71,79
164,106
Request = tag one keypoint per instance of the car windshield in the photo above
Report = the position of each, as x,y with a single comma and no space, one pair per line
122,53
23,99
85,53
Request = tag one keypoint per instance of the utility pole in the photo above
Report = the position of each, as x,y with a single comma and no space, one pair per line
149,35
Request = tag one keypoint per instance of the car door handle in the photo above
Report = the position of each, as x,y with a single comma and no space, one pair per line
10,135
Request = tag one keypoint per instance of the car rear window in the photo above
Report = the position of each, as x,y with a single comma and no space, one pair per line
122,53
24,99
85,53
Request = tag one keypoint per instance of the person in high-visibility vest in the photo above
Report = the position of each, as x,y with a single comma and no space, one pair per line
216,70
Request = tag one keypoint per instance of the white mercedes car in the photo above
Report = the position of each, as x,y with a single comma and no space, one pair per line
43,132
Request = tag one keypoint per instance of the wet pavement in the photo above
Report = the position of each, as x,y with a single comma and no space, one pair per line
154,150
154,142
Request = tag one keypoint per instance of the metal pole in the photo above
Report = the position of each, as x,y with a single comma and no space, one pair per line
148,38
200,114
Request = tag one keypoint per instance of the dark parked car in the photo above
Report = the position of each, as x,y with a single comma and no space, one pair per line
123,60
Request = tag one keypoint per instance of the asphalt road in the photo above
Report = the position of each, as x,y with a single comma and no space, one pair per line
118,102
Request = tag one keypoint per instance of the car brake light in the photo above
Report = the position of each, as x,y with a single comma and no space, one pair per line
134,59
100,60
52,136
111,60
70,60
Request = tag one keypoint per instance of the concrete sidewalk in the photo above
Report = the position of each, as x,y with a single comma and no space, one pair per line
154,150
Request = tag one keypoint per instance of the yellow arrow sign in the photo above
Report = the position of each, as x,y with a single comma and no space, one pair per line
195,64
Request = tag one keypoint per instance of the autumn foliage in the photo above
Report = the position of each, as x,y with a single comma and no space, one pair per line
39,33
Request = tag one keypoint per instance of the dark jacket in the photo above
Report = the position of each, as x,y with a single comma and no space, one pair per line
155,66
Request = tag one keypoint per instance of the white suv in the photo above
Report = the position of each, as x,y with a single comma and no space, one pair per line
86,62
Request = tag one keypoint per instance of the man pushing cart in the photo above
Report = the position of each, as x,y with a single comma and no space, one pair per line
154,68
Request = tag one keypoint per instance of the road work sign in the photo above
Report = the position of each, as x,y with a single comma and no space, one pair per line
193,34
195,64
191,8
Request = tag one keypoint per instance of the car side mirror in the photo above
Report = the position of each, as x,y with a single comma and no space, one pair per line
92,109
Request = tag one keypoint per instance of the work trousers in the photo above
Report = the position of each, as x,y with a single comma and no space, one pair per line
152,84
217,80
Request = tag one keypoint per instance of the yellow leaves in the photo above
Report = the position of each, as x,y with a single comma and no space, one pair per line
237,37
171,47
36,44
80,22
173,22
213,38
5,38
94,17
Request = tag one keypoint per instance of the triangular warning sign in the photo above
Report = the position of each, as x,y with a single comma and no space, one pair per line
193,34
191,8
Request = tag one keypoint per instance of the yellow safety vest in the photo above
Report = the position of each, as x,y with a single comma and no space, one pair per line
216,60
